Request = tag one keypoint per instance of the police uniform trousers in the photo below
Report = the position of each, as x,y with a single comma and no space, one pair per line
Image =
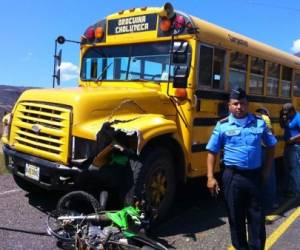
243,197
292,168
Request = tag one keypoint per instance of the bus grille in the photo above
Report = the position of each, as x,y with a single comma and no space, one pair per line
42,130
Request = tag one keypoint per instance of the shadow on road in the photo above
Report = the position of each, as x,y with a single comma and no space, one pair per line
194,211
45,202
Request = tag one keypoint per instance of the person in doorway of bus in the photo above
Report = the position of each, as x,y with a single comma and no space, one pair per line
270,188
241,135
290,121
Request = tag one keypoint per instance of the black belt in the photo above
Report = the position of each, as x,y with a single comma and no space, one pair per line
246,172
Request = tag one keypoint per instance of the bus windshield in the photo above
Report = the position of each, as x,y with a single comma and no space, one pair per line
134,62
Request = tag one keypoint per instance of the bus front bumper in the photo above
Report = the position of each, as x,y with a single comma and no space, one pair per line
43,173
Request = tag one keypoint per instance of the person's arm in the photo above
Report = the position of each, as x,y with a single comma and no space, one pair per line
270,151
270,141
293,139
212,183
213,147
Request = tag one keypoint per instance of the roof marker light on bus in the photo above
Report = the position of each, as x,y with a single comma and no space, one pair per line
165,24
99,32
90,33
179,22
181,93
167,11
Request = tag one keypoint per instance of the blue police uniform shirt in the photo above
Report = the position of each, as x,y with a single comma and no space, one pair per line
292,128
242,143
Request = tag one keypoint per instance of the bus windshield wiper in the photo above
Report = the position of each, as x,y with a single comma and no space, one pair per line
104,71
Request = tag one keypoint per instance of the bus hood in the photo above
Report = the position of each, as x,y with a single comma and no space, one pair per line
89,103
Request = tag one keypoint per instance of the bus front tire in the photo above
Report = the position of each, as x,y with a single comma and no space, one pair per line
154,175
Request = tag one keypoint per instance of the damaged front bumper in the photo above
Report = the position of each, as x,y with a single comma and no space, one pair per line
54,176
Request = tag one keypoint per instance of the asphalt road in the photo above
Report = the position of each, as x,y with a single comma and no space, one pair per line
196,221
22,218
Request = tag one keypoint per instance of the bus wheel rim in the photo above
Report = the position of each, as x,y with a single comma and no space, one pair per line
157,186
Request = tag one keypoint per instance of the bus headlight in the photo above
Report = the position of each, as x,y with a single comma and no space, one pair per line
82,148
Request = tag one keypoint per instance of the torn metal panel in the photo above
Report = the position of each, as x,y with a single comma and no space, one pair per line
128,136
108,141
145,127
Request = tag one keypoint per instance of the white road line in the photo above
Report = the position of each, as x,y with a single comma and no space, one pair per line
10,191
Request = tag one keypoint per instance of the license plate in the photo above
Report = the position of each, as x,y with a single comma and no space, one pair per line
32,171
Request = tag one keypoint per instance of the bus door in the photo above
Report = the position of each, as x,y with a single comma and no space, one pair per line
210,103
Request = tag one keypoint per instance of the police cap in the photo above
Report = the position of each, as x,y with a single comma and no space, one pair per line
237,94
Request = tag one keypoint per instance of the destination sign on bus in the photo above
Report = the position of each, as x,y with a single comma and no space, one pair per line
132,24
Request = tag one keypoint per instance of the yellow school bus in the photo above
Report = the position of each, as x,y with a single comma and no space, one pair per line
153,83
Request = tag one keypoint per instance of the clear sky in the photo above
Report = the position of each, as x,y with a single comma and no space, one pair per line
28,29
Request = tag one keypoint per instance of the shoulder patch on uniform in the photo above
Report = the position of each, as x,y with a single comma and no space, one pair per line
224,120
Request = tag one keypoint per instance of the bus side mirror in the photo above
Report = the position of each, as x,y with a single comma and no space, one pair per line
179,58
180,76
181,61
57,59
57,62
180,53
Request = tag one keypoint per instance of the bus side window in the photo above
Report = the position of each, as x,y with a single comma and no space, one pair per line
286,81
273,79
256,83
238,68
219,69
212,67
297,86
205,66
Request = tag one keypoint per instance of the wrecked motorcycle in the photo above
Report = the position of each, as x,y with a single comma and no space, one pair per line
121,229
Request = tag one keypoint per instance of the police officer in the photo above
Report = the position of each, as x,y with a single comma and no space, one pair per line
241,135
